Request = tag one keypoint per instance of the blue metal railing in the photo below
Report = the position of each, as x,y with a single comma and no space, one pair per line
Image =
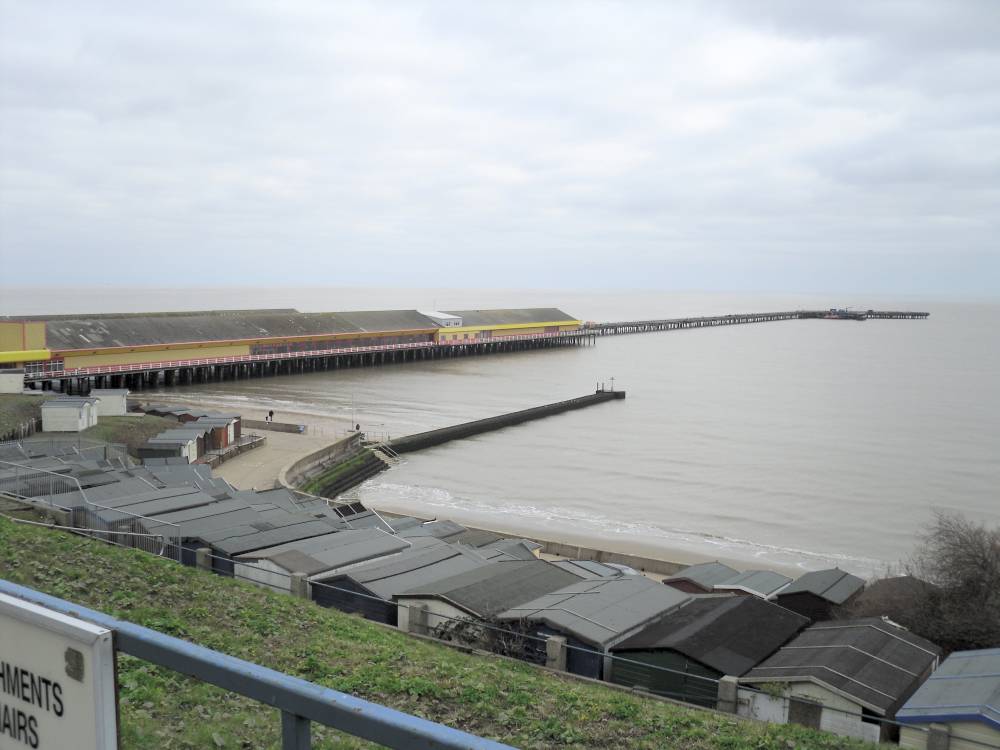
300,702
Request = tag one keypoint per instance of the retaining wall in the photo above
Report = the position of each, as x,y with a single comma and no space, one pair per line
369,467
306,467
259,424
575,552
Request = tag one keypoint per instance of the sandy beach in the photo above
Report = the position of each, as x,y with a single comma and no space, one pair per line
260,468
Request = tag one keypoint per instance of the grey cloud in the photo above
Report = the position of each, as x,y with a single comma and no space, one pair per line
495,143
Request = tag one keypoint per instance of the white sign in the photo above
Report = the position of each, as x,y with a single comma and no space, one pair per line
57,680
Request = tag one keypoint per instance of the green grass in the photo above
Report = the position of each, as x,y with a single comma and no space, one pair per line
511,701
131,431
327,478
16,409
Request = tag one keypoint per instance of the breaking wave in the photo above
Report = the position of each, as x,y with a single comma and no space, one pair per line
417,499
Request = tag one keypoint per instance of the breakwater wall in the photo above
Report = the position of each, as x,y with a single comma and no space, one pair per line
431,438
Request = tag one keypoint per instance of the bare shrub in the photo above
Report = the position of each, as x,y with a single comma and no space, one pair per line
951,591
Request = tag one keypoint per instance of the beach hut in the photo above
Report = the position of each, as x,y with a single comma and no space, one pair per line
699,579
69,414
682,655
763,583
961,700
842,676
593,615
481,593
818,594
114,401
369,588
317,557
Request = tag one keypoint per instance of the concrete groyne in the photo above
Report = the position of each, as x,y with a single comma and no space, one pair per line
431,438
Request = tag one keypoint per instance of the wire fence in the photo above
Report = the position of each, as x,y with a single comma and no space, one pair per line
515,638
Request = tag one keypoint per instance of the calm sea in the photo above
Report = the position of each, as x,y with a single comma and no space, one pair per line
799,443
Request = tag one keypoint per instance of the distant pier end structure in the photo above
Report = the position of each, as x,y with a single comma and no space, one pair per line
142,350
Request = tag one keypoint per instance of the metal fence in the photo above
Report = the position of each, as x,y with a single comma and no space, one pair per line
62,492
299,701
71,446
40,486
23,430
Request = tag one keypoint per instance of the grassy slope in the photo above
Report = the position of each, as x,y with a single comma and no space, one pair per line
515,702
132,431
16,408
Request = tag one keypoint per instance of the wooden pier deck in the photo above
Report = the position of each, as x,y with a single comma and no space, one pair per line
672,324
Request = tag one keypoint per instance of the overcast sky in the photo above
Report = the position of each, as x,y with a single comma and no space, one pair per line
796,146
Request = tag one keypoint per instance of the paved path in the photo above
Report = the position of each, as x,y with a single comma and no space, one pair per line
260,467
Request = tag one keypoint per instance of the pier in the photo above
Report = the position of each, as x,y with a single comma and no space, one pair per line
139,376
672,324
431,438
94,355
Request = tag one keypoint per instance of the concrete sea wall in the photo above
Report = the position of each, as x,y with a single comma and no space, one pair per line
309,466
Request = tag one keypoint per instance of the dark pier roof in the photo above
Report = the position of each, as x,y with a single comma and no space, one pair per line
104,331
510,317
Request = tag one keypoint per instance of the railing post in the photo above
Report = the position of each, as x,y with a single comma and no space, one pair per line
555,652
728,699
300,585
294,732
203,558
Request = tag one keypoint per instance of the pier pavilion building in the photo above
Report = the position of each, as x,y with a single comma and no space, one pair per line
136,350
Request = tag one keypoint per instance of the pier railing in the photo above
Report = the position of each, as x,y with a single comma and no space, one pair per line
671,324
